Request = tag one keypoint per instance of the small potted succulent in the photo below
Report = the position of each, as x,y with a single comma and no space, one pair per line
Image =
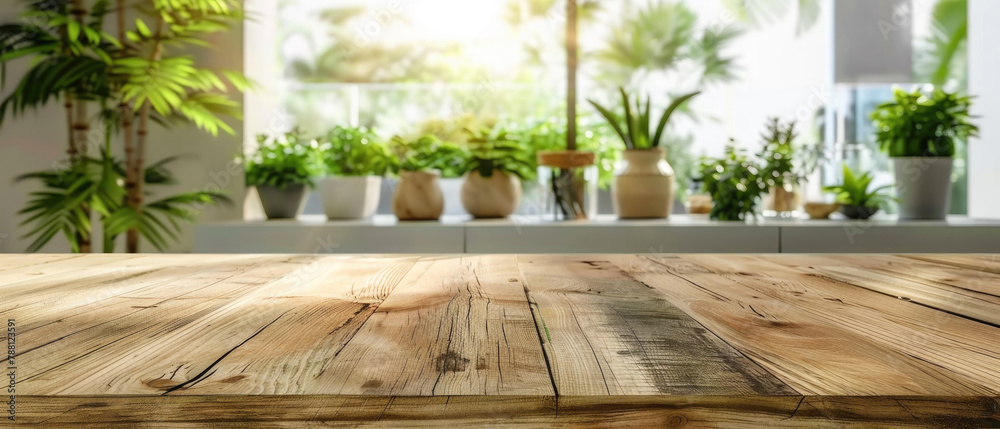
644,187
496,163
735,183
282,170
355,162
855,199
920,133
421,163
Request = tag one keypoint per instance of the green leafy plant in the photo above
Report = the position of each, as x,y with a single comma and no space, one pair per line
498,150
634,126
69,193
855,191
779,153
430,153
349,151
941,59
918,125
283,161
134,79
550,135
735,183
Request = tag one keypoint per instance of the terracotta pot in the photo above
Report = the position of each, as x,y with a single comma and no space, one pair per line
418,196
783,199
350,197
284,203
491,197
644,187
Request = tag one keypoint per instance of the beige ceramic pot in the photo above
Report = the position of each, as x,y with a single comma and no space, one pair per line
644,187
491,197
418,196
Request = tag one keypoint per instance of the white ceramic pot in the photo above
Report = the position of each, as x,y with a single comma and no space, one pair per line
923,186
350,197
644,187
418,196
496,196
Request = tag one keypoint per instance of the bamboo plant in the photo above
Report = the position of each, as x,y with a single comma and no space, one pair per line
134,79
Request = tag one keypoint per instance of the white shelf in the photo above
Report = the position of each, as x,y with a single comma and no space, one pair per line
529,234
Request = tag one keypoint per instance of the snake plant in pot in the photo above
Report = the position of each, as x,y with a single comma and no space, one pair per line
497,162
422,162
355,163
920,133
644,187
282,170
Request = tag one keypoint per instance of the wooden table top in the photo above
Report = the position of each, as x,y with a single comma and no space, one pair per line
296,340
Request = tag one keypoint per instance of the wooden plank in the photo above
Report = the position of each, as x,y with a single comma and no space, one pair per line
18,261
823,337
454,326
296,411
120,295
89,360
985,263
17,279
315,319
606,334
972,294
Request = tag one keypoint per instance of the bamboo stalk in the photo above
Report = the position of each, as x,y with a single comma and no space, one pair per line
572,63
71,149
139,161
81,127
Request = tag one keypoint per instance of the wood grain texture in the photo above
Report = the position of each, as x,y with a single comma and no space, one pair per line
821,337
607,334
294,411
455,326
539,341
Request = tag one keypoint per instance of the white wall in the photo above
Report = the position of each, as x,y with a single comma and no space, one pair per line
984,67
37,140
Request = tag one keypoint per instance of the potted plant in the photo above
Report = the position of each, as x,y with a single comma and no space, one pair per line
644,187
856,201
779,169
355,162
735,183
920,132
496,163
422,162
282,169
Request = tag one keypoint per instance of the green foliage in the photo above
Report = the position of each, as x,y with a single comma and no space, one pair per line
96,183
665,36
634,126
284,161
735,183
854,191
550,135
923,126
430,153
778,153
348,151
760,13
942,58
498,150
